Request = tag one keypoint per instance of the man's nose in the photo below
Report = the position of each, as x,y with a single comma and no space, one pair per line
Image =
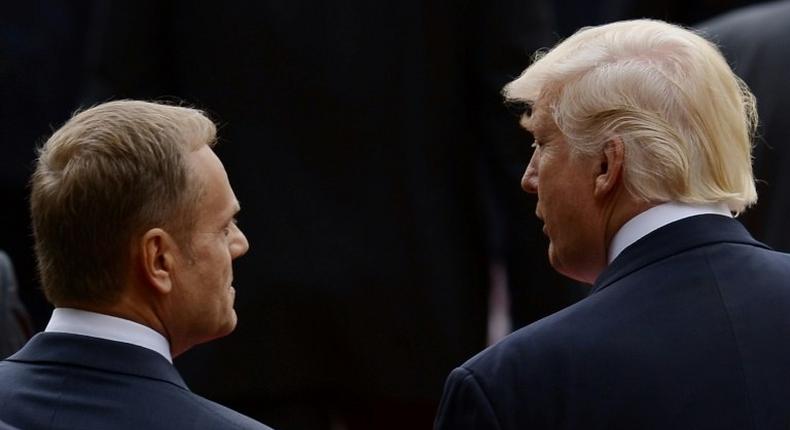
240,245
529,182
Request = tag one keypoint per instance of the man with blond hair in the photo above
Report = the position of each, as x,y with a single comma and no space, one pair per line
642,157
135,232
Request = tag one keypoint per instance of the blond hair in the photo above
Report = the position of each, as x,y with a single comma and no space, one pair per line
685,119
110,173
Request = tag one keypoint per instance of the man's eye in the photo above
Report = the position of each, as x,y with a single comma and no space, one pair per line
227,229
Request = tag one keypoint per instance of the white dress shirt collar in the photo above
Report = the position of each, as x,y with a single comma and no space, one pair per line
657,217
77,321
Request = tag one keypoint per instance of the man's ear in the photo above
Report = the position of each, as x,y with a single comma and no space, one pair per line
610,170
158,250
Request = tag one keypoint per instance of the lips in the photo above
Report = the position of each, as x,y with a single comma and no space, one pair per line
545,228
540,218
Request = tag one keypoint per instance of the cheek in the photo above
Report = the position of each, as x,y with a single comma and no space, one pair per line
222,265
227,260
556,198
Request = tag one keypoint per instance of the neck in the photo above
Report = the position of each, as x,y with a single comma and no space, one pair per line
622,216
617,211
129,307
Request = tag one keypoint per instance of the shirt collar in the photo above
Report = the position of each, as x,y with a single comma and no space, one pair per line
77,321
657,217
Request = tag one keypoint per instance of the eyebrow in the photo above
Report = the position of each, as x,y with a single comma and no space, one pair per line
235,211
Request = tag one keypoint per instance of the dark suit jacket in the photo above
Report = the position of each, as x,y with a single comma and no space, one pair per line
65,381
15,326
755,42
686,329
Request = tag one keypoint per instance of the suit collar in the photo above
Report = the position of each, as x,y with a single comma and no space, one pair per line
656,217
672,239
100,354
86,323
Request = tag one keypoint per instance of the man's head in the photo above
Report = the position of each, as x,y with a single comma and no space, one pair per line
625,116
133,212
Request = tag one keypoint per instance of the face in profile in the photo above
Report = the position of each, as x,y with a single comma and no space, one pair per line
204,279
564,183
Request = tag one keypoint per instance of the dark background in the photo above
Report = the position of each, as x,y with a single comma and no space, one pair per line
377,167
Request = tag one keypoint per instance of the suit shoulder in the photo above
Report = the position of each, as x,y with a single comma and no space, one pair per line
520,379
465,404
538,351
215,415
750,261
125,401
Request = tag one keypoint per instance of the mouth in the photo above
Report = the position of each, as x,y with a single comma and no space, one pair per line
545,227
540,218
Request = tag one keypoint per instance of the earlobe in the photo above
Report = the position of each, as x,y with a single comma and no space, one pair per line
611,167
157,252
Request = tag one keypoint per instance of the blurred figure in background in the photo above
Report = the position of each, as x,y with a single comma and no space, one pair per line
755,42
15,326
575,14
376,160
41,71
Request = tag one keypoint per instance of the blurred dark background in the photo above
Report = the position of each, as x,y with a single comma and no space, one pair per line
377,166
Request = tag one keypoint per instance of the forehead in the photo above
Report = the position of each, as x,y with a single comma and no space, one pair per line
217,195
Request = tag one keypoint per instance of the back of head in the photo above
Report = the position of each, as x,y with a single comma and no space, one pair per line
108,174
685,119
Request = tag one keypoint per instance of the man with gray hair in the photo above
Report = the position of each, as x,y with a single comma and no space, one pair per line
135,233
642,156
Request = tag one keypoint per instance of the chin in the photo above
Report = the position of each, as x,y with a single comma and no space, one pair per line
230,325
553,260
557,264
225,326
